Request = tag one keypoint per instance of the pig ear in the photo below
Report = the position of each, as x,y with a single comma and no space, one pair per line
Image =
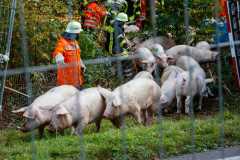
29,114
62,111
163,99
104,92
21,110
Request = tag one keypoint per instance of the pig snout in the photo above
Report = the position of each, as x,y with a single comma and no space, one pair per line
23,129
107,115
51,128
165,65
29,126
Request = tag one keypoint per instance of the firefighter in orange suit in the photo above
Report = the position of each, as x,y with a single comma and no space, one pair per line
94,14
67,55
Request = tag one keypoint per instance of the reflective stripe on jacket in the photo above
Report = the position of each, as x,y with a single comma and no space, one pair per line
72,74
93,15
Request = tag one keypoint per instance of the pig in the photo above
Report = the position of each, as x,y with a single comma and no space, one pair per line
190,82
135,97
78,111
159,53
189,64
203,45
200,55
164,41
168,85
169,71
144,74
146,59
39,113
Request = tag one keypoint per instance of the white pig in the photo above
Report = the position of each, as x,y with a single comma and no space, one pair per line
161,57
203,45
169,71
144,74
168,85
146,59
79,110
200,55
134,97
39,113
190,82
164,41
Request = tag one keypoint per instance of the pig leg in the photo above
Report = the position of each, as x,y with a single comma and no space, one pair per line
116,122
137,113
149,116
41,131
144,116
98,124
179,104
200,102
81,125
73,131
187,104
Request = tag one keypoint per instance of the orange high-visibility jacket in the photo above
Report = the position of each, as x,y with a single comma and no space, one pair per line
93,15
71,74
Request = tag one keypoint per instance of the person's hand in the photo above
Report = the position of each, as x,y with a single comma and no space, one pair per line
108,13
59,59
84,68
3,58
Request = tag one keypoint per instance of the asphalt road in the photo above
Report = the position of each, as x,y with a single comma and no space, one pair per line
232,153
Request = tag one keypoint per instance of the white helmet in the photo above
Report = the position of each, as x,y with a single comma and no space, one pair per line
74,27
123,17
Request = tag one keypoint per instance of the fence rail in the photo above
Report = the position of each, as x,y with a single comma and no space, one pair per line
103,60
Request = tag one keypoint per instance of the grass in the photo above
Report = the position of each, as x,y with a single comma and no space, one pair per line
141,142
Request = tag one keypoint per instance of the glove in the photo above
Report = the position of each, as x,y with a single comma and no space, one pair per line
108,13
84,68
59,59
3,58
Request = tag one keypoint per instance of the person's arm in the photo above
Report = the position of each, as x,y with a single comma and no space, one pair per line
58,53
